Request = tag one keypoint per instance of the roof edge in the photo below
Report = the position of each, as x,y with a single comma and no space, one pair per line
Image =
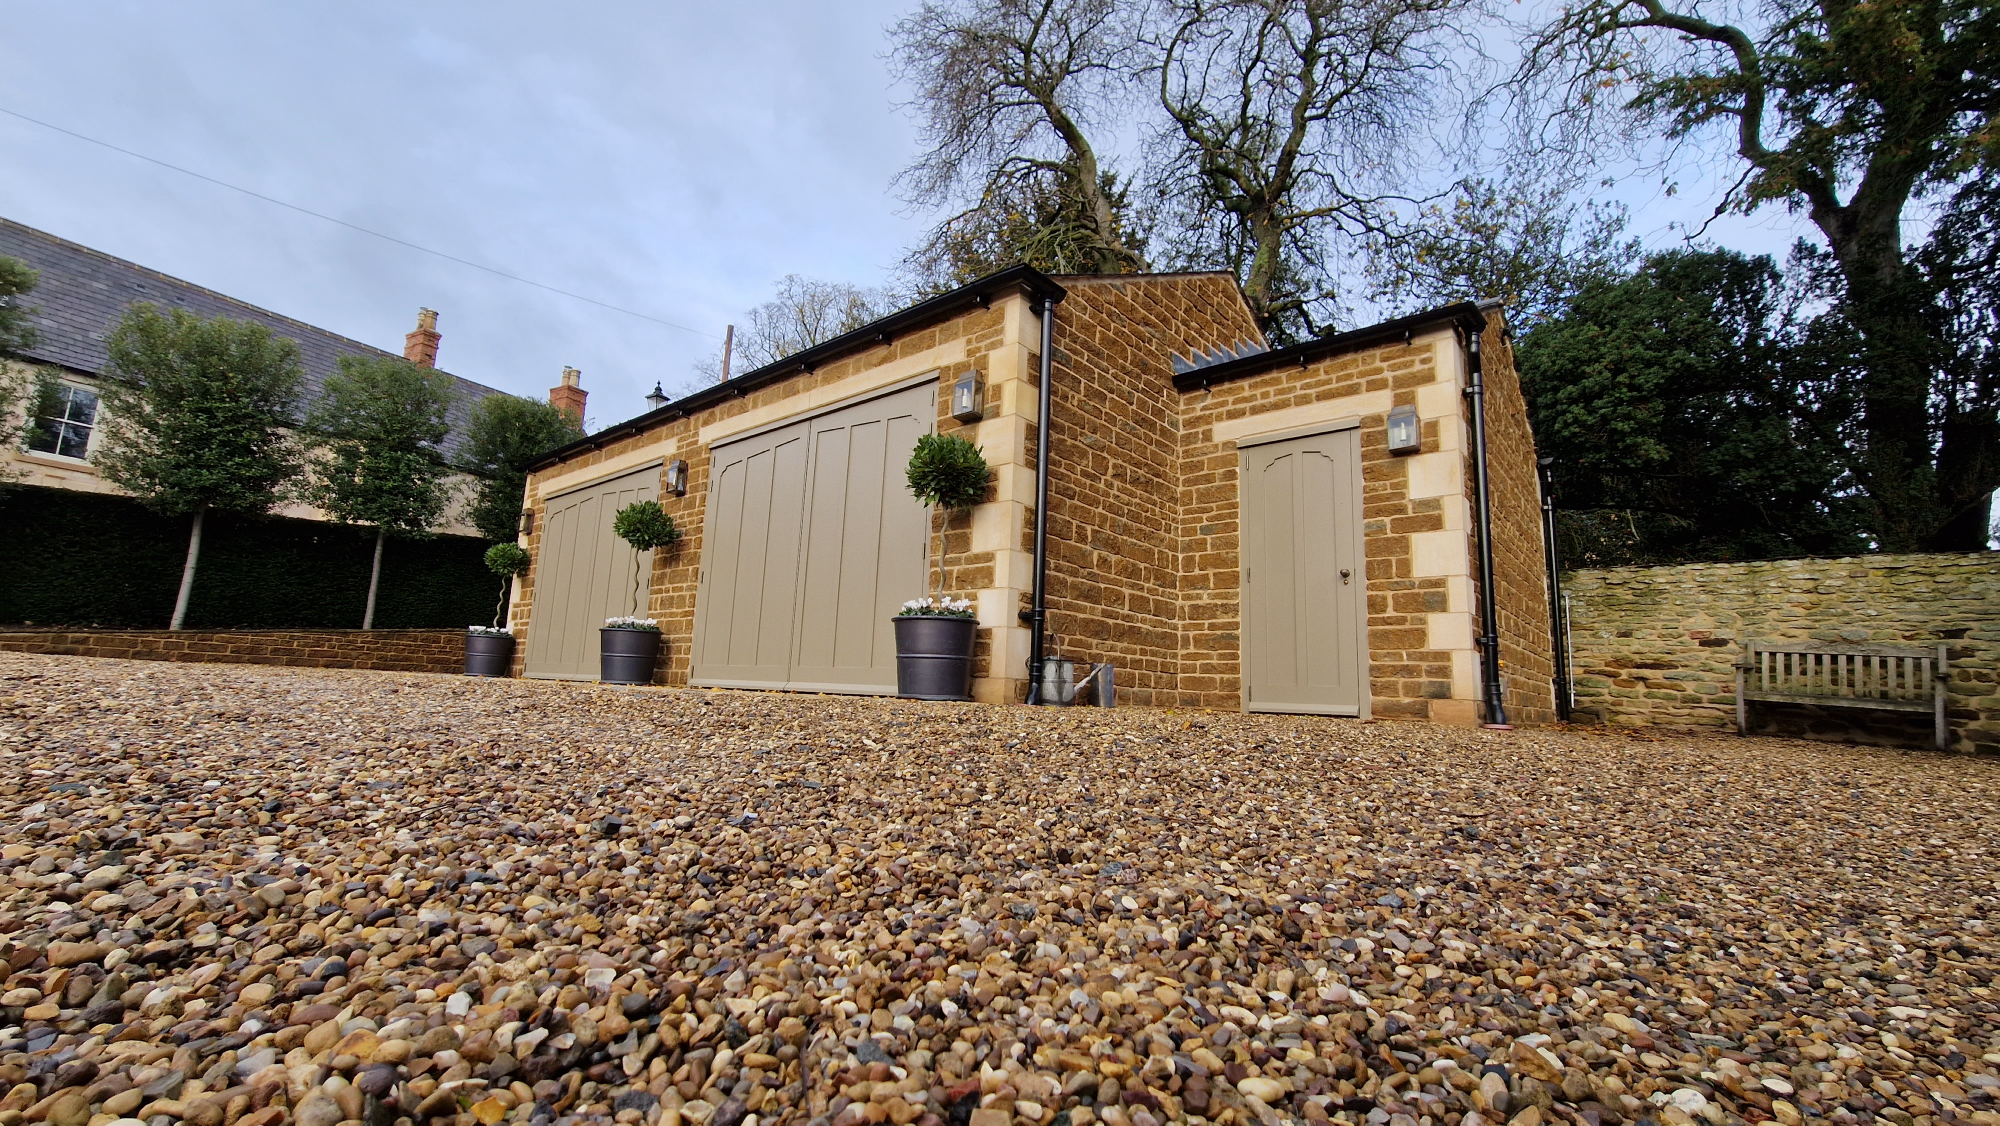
1463,313
979,292
162,276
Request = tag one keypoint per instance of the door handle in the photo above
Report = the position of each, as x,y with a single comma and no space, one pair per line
1345,574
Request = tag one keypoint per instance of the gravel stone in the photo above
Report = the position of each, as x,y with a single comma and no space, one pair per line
249,896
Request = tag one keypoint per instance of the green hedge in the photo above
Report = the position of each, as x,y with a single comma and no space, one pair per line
87,559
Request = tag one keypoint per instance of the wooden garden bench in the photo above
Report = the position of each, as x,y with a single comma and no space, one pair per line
1885,678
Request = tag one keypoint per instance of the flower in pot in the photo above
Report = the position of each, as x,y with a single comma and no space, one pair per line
934,635
629,646
489,650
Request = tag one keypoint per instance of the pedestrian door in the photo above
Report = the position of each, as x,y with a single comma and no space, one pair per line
811,542
1304,629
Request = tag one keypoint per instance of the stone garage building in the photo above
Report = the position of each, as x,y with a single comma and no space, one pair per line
1227,523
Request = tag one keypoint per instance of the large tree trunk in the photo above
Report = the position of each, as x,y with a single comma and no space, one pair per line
1924,498
187,570
374,579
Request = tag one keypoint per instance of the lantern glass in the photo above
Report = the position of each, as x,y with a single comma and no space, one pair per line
965,404
1405,437
677,478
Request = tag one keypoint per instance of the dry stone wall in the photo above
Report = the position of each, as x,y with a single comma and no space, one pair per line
1656,646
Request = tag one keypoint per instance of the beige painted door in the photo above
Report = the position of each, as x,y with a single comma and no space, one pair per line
584,574
1304,587
813,542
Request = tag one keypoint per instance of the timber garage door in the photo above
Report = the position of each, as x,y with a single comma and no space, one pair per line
1304,604
584,575
812,540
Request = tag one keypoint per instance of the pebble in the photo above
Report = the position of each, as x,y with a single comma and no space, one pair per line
244,896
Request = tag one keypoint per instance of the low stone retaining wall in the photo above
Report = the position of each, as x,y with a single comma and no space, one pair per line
1656,646
390,650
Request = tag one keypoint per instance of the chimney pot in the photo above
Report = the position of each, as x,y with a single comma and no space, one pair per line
568,396
420,346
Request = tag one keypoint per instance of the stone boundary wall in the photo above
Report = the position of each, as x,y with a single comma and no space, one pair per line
389,650
1656,646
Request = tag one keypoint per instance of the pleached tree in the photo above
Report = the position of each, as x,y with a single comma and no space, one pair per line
197,418
377,433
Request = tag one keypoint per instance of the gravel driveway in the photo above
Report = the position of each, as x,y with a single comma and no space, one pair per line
242,896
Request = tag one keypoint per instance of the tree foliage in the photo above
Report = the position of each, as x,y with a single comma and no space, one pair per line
1847,113
378,430
28,394
1523,243
1044,224
804,312
1285,121
1659,397
197,412
1009,92
17,329
504,436
947,471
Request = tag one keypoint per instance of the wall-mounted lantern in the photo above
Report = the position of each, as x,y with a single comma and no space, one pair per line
657,399
966,401
527,521
1405,434
677,477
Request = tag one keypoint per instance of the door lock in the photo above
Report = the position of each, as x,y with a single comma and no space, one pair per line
1345,574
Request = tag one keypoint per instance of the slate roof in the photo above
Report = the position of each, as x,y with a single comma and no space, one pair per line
83,292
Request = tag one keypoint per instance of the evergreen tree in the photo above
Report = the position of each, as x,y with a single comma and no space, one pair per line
505,436
197,412
377,432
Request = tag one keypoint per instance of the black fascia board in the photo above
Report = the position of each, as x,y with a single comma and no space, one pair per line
978,293
1464,313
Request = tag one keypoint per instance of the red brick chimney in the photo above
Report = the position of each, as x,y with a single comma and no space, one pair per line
421,346
568,396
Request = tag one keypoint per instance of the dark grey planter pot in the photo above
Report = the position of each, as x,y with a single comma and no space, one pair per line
627,656
934,656
489,654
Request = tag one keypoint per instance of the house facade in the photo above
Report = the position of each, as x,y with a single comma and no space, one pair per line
1227,523
79,298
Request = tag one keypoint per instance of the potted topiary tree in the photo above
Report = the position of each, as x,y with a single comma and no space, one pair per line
629,647
489,650
934,635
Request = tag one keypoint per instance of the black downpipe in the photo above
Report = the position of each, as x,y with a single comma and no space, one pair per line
1489,615
1557,627
1039,615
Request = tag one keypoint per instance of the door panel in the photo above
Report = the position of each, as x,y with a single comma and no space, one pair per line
1304,625
814,564
748,597
584,575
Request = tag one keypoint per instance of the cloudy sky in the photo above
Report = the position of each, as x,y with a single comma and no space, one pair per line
674,159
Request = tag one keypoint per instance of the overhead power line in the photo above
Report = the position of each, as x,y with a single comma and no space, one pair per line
352,226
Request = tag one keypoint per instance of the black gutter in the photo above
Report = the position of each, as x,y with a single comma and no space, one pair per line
979,293
1465,314
1558,643
1039,615
1489,611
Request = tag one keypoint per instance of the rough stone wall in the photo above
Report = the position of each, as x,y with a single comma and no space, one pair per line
1407,675
1116,546
965,340
1656,646
1520,569
391,650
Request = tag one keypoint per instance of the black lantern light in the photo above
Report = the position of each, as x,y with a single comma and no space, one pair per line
1405,434
677,477
966,404
657,399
